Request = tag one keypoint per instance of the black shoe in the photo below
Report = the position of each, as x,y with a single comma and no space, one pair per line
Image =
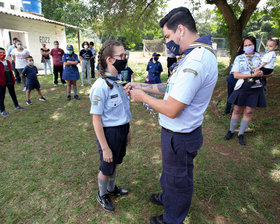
154,198
157,220
76,97
118,192
225,113
68,98
229,135
42,99
241,140
28,102
105,202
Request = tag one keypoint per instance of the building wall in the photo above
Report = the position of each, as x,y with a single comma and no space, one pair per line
33,31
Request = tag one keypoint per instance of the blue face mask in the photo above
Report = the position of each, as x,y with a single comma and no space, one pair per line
69,52
19,47
266,50
173,47
31,63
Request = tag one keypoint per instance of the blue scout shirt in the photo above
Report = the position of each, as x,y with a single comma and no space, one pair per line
86,54
192,83
154,68
31,74
241,63
112,104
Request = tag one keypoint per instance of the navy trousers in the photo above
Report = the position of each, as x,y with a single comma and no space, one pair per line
178,152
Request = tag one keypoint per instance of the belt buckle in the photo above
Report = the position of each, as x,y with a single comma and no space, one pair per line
250,80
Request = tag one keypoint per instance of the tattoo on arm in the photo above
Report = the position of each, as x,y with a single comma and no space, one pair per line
146,86
161,87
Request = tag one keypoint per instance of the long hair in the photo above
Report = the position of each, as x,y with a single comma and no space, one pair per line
252,39
107,50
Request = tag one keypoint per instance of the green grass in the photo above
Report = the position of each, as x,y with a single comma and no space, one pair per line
49,164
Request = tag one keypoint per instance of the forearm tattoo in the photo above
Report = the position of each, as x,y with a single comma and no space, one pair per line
161,87
146,86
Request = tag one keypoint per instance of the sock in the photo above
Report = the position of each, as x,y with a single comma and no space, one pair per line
111,182
75,90
102,184
243,126
69,93
233,123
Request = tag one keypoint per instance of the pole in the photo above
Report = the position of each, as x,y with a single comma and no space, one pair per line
79,41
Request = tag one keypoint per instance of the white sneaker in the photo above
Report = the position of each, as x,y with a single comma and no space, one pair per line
24,89
55,85
82,85
65,84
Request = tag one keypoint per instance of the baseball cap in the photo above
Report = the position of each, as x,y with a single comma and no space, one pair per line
156,54
69,47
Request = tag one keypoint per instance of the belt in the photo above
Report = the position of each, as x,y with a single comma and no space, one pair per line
180,132
249,80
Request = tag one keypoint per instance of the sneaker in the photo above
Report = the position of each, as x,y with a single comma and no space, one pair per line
65,84
82,85
68,98
118,192
229,135
24,89
241,140
257,85
19,108
42,99
28,102
76,97
157,220
4,114
105,202
154,198
55,85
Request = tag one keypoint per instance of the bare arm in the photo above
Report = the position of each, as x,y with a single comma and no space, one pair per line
263,64
158,89
257,73
98,128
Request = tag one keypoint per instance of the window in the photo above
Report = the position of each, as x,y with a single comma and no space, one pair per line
12,7
1,4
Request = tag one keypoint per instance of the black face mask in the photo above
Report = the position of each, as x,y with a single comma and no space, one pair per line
120,65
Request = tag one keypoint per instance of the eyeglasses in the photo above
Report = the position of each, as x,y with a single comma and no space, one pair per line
122,56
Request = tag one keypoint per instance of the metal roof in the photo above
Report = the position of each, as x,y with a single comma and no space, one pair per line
35,17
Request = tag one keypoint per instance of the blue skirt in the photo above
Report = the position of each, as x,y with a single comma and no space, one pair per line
246,96
71,73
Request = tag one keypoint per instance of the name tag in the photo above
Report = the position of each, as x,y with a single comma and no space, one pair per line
113,96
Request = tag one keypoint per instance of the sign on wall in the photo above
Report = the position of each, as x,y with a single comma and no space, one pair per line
44,40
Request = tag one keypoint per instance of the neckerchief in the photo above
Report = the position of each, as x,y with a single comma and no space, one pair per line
204,41
251,68
114,79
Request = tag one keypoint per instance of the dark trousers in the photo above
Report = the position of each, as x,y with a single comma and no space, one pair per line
178,152
12,93
92,66
17,75
56,70
170,62
230,87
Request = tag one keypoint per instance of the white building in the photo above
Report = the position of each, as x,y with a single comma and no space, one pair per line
31,28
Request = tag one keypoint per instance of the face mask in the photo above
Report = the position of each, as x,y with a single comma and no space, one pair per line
2,56
249,49
86,46
173,47
69,52
120,65
19,47
156,58
56,46
266,50
31,62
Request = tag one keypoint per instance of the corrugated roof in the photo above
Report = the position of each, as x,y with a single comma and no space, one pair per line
35,17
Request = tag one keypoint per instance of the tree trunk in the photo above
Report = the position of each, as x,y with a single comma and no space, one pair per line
234,40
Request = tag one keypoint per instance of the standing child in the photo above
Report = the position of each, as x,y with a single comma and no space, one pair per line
268,61
7,79
30,72
111,117
71,73
154,69
85,57
127,73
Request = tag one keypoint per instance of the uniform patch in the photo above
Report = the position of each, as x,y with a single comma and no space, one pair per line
190,71
95,100
114,96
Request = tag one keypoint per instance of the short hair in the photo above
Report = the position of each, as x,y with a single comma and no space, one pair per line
15,38
83,44
177,16
1,48
56,42
275,40
18,41
29,56
91,43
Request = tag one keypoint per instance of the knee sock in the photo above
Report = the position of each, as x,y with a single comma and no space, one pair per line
243,126
102,184
69,93
75,90
233,123
111,182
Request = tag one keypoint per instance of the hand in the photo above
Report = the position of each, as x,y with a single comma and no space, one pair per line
129,87
107,155
258,73
137,95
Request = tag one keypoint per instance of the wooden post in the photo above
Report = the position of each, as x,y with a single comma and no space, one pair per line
79,41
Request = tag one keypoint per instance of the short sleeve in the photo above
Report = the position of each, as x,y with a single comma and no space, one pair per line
97,99
24,70
147,69
62,51
36,69
90,53
160,67
81,53
235,66
97,67
267,57
188,82
130,72
76,58
64,58
12,52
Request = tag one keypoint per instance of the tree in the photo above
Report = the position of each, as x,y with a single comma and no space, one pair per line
236,19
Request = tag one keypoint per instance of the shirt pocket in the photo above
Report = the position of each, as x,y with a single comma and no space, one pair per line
243,66
114,99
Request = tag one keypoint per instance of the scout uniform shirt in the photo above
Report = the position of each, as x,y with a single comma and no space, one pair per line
192,83
112,104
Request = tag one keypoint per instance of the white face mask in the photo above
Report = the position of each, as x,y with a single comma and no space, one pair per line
86,46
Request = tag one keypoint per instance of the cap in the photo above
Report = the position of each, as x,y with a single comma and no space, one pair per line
156,54
69,47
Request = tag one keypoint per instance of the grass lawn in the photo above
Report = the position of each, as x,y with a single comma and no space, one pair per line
49,162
